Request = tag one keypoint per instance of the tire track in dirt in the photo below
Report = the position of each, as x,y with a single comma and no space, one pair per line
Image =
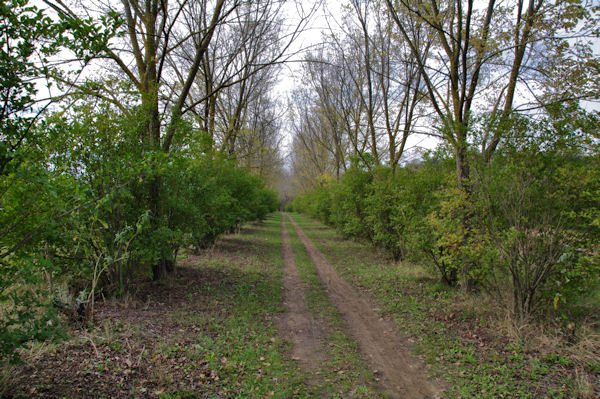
402,375
297,325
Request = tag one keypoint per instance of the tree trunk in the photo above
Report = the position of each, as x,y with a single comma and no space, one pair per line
463,170
162,268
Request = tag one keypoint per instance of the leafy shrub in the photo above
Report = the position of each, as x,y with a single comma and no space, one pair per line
527,230
399,205
92,209
389,209
349,203
533,221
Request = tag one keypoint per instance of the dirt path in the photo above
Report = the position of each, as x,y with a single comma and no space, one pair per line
401,374
297,325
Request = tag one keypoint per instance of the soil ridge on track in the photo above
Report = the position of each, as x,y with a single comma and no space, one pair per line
402,375
297,325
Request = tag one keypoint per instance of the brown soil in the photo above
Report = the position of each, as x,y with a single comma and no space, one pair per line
141,345
297,325
123,357
401,375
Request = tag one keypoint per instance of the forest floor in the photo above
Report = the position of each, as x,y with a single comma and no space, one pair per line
287,308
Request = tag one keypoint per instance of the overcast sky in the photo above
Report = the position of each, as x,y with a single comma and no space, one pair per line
326,16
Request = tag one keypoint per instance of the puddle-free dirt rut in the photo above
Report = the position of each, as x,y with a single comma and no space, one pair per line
401,374
297,325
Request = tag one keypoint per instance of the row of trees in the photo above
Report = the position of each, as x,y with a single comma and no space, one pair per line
457,71
503,87
129,130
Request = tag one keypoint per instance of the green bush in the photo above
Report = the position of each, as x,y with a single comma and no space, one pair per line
535,220
398,206
349,203
91,209
388,209
527,229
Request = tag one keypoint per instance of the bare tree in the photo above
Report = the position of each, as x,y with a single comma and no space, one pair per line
362,93
258,147
385,77
312,153
324,90
485,53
